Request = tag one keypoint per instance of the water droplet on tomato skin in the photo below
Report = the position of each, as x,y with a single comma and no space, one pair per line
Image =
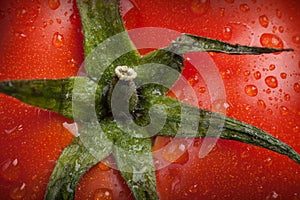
18,192
193,188
271,40
287,97
271,81
297,87
103,194
251,90
264,21
296,129
200,7
247,73
54,4
20,35
175,152
73,19
257,75
10,170
193,80
226,74
268,162
261,103
272,67
58,40
296,39
281,29
227,32
284,110
244,7
202,89
283,75
71,62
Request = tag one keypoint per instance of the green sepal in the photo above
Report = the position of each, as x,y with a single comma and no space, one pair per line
193,43
54,95
105,37
90,147
133,155
184,120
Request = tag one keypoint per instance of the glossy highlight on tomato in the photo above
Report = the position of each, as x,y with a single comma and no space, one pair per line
43,39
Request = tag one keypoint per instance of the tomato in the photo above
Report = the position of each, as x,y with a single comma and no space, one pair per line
260,90
42,39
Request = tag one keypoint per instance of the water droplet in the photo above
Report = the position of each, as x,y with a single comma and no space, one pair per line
58,40
296,129
18,192
20,35
244,7
297,87
283,75
72,62
287,97
257,75
251,90
200,7
296,39
270,111
264,21
273,195
54,4
261,103
247,73
51,22
271,81
193,188
73,19
268,162
284,110
226,74
175,152
281,29
227,32
193,80
271,40
268,91
103,194
10,130
202,90
28,15
10,170
272,67
220,106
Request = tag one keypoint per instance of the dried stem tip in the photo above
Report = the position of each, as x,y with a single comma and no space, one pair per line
125,73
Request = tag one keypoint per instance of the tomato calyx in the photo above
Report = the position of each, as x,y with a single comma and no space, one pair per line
101,133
